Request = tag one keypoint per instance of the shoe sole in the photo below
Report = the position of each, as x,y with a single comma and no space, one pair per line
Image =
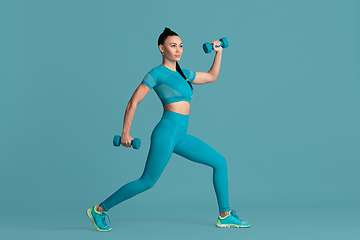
231,226
89,215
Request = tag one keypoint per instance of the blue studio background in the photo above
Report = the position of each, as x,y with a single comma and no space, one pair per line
284,112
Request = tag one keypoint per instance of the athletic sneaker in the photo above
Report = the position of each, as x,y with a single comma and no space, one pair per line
98,219
231,220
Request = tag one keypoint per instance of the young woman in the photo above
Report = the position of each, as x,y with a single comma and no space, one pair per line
173,85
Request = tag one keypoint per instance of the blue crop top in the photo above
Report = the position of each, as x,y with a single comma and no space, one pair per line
170,86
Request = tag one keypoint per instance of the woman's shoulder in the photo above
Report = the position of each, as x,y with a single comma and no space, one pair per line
185,71
190,75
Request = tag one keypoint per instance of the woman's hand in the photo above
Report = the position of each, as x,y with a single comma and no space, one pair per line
126,140
217,49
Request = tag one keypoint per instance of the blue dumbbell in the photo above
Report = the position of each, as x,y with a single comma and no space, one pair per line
209,47
135,143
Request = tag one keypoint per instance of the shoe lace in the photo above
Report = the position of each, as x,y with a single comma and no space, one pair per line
103,219
233,213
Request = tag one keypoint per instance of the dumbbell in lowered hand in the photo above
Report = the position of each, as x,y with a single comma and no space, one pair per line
134,143
209,47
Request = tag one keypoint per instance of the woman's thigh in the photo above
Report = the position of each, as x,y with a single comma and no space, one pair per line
198,151
161,148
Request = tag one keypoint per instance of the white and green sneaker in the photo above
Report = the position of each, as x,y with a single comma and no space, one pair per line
231,220
98,219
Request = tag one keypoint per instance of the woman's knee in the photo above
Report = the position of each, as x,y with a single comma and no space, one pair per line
220,163
147,183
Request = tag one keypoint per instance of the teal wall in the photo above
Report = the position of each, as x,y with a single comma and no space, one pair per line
284,110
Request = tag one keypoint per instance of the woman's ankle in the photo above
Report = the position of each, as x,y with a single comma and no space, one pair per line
224,214
99,208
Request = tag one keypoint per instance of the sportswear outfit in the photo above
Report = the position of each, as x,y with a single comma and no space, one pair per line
169,136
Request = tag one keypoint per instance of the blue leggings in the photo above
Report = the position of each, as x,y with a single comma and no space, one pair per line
170,136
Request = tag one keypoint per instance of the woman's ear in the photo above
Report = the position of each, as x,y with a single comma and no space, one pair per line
161,48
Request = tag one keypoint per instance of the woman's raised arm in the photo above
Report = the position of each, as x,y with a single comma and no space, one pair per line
213,73
136,98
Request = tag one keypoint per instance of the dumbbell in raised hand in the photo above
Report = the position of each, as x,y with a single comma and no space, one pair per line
134,143
209,47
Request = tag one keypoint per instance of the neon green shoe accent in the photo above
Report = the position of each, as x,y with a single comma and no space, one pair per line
97,211
224,217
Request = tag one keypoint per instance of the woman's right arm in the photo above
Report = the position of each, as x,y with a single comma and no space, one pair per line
136,98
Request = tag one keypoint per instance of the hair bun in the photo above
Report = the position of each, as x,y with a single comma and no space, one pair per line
167,32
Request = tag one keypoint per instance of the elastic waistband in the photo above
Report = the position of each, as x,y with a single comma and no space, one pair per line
178,118
174,114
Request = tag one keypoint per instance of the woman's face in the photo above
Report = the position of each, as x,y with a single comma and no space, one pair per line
172,48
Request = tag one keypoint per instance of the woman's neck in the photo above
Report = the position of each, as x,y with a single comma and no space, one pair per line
169,64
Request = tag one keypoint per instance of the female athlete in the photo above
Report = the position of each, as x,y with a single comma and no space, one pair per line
173,86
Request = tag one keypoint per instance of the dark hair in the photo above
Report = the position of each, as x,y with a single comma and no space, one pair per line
166,33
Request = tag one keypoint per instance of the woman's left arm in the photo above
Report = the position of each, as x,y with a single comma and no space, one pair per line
213,73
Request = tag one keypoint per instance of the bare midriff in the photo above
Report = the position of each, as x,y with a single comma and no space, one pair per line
182,107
